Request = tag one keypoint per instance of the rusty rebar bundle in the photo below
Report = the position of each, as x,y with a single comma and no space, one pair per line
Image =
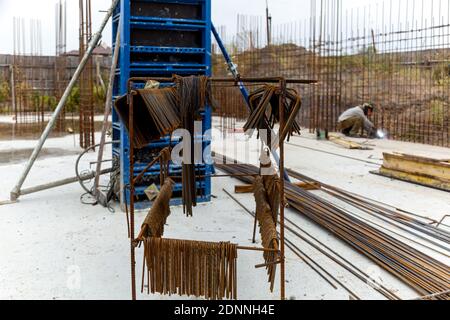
192,268
153,225
159,112
164,161
193,94
394,54
155,114
272,188
421,227
162,106
86,124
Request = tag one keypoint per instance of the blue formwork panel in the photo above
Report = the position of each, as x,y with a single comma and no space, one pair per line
160,38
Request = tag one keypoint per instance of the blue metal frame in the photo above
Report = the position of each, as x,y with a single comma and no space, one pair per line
128,68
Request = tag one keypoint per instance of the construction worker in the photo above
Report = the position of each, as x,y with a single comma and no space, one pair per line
352,121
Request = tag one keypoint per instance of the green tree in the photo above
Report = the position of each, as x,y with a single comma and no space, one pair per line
73,102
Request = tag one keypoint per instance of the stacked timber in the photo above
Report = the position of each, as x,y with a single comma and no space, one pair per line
428,172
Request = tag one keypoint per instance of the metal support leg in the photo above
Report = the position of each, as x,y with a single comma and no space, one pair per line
233,69
108,107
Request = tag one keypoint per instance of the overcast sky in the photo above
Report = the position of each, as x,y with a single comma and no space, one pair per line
224,13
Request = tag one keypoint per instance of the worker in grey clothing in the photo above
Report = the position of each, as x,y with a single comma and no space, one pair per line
352,121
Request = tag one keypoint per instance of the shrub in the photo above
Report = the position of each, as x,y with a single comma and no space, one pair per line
4,91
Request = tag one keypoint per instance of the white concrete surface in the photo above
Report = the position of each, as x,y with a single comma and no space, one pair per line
53,247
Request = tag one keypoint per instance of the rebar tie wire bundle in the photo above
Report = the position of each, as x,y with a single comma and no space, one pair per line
155,114
183,267
192,268
267,219
272,188
164,162
161,104
153,225
265,111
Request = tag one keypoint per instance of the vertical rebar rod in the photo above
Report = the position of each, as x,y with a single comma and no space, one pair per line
108,107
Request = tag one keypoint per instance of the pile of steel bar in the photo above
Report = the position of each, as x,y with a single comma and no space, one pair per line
153,225
421,272
161,105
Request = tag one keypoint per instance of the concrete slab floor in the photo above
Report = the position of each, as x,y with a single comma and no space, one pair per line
53,247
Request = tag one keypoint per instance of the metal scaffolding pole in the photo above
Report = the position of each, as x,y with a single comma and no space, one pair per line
108,107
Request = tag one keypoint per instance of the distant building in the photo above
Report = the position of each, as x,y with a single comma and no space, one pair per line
102,50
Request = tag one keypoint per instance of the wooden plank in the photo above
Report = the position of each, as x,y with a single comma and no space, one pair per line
248,188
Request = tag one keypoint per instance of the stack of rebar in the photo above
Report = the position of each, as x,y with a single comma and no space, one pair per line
155,114
86,82
421,272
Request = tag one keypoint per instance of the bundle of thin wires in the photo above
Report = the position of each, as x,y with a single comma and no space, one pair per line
267,226
272,187
161,104
192,268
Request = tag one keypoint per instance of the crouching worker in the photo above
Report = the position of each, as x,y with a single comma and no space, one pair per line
354,120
